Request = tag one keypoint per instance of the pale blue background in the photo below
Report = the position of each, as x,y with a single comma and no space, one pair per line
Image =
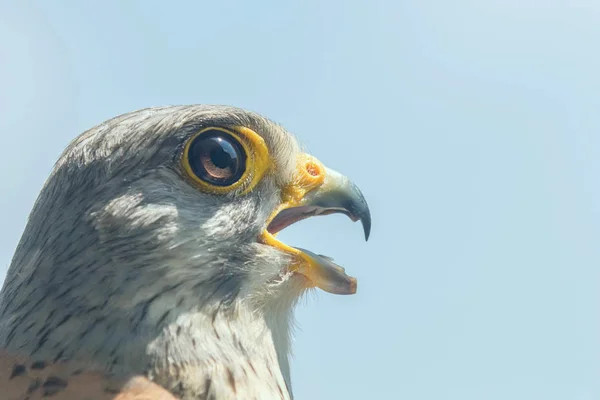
473,128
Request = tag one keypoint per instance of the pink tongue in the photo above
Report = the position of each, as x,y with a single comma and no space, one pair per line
290,216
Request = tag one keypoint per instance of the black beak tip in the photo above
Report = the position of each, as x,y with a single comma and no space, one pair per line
366,224
365,220
359,209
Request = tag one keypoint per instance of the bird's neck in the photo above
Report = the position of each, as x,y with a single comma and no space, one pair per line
233,353
213,352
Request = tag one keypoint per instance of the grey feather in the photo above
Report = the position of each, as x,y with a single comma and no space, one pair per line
127,267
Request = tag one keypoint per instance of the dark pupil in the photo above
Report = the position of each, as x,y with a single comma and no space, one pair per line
217,158
221,157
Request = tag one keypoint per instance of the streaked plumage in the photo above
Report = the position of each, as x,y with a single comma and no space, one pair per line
132,265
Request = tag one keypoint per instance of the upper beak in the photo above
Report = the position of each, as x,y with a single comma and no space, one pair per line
318,191
337,194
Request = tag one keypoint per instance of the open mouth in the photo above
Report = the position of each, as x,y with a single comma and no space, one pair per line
334,194
290,216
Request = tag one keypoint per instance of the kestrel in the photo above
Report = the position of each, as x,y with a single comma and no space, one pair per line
150,269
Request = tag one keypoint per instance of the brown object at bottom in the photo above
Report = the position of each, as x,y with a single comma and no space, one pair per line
22,378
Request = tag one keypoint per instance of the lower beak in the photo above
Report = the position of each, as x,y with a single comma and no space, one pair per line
333,194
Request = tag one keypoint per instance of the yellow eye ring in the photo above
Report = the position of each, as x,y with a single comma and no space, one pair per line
221,160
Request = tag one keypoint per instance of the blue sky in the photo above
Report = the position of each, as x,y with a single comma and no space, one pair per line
472,128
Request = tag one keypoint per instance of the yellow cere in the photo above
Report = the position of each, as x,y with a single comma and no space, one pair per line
309,175
258,160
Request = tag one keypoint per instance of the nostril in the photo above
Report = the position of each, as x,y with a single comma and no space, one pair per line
310,173
313,169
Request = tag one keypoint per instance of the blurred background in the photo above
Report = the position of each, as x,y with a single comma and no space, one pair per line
472,127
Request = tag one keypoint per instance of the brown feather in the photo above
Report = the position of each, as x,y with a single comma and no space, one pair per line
22,378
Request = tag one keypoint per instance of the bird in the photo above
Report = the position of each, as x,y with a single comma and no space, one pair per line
150,267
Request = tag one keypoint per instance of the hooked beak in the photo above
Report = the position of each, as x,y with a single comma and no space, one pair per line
317,190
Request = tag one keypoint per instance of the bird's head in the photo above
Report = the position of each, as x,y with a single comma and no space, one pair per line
170,209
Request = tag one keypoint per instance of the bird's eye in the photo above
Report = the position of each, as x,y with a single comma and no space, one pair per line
216,157
222,160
